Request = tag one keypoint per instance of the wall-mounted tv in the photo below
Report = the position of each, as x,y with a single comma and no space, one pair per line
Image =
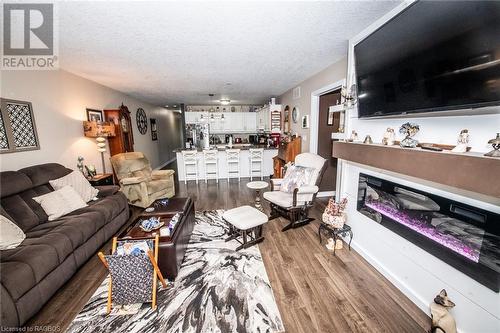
433,56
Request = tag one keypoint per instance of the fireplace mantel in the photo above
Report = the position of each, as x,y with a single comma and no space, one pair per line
468,171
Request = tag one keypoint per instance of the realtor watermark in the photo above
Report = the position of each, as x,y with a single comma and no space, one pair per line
29,36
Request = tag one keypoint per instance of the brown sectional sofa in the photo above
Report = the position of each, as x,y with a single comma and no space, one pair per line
52,251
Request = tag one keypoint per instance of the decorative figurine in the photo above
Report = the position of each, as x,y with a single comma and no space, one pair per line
463,141
495,143
409,130
389,137
368,140
354,136
80,164
442,320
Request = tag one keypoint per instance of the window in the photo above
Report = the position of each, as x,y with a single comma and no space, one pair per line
17,127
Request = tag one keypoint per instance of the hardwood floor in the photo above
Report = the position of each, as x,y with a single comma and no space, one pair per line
315,291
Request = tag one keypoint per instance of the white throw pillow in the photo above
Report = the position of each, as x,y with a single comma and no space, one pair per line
297,177
60,202
79,183
10,234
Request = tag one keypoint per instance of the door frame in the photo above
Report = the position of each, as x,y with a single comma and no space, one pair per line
313,134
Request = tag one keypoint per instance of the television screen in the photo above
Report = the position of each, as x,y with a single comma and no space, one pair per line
433,56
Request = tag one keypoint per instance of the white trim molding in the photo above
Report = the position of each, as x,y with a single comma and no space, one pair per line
314,121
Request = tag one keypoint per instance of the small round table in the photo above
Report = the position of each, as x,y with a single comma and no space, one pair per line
257,186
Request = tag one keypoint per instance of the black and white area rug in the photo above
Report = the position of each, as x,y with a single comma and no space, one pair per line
217,290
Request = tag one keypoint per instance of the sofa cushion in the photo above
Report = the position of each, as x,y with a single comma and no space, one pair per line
60,202
79,183
13,182
42,173
23,267
20,212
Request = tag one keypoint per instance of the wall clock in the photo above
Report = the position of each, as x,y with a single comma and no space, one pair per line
142,121
295,114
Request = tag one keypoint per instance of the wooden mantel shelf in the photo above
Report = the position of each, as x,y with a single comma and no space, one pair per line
468,171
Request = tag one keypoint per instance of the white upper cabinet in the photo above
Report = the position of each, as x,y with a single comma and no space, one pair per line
250,121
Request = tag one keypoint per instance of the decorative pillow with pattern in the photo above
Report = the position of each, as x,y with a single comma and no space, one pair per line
60,202
10,234
296,176
79,183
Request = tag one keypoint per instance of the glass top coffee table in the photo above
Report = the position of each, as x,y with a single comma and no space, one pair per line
257,186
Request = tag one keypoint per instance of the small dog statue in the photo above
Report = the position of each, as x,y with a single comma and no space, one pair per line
442,320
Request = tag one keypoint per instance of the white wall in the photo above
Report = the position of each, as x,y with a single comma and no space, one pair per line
59,100
417,273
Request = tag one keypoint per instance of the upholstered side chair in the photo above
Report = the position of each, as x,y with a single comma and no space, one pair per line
140,184
295,206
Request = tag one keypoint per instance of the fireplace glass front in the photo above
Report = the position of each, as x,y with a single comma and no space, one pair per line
465,237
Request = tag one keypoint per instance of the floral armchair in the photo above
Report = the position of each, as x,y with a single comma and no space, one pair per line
140,184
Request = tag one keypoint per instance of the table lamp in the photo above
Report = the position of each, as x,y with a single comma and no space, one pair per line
100,131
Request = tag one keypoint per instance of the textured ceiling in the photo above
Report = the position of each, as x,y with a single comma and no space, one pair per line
171,52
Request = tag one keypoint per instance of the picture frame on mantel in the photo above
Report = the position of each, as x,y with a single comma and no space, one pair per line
95,115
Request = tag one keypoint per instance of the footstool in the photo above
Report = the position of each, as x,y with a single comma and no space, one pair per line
245,221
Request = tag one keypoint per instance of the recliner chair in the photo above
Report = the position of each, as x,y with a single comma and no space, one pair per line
295,206
140,184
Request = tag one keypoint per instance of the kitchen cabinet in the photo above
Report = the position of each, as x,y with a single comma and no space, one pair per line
250,121
263,119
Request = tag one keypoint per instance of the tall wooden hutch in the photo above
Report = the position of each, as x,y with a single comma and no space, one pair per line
123,141
286,153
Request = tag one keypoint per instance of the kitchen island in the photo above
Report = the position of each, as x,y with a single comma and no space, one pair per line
267,168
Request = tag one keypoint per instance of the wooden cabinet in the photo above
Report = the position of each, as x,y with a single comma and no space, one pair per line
286,153
123,141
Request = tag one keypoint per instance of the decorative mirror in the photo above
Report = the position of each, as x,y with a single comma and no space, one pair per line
295,114
142,121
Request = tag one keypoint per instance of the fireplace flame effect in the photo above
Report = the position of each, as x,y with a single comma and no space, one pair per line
426,230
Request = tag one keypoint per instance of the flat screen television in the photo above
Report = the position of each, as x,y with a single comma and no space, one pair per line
433,56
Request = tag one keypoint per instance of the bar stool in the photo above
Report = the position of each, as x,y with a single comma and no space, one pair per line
211,160
190,159
256,162
233,159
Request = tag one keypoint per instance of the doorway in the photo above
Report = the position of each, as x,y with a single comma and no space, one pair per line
328,123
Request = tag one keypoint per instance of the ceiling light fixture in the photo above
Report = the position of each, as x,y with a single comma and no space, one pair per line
225,101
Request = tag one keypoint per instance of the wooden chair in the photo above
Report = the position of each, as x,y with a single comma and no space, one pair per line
137,272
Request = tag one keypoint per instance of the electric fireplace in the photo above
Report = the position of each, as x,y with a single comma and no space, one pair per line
465,237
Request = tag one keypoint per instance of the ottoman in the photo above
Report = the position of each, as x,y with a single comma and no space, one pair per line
245,222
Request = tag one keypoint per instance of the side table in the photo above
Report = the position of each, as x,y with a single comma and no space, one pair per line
257,186
335,233
101,179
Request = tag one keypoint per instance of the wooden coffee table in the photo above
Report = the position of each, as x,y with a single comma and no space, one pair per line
171,248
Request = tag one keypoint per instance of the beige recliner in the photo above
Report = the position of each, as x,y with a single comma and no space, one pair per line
138,182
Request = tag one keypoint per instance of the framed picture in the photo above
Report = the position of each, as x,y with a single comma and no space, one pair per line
305,121
154,132
329,121
94,115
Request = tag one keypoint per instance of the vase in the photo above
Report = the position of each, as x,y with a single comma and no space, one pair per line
335,221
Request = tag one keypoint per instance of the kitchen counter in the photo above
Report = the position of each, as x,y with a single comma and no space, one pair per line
221,147
267,166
